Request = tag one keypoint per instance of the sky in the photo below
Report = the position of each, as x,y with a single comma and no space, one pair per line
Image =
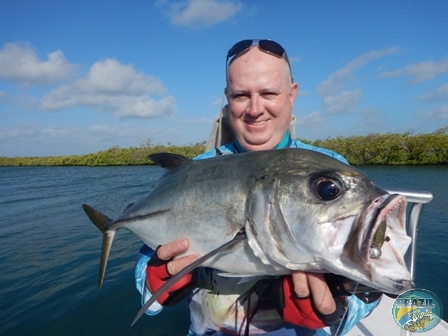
79,76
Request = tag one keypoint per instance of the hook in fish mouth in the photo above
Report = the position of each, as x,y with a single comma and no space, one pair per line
379,238
388,220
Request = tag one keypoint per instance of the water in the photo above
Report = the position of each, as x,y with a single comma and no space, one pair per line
49,250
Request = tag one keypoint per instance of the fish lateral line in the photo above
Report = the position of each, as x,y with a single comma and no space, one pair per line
240,236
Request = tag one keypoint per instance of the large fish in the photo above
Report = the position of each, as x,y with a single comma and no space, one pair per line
300,210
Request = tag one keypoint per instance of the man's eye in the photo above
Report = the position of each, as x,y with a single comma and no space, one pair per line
239,96
269,95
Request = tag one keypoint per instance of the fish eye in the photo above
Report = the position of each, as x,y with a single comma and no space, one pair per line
326,188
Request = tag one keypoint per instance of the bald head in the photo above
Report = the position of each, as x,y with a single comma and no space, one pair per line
255,56
261,96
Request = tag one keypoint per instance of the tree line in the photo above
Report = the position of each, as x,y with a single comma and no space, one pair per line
372,149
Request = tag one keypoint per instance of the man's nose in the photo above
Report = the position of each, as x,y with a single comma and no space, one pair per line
255,106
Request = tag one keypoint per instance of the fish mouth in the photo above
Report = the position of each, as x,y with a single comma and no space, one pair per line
389,215
386,242
379,244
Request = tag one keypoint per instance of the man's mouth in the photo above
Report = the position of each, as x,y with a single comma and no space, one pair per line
256,123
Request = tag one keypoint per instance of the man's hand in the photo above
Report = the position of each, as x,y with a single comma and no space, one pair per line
308,301
313,285
162,266
173,249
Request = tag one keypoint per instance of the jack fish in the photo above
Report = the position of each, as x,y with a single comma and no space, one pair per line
299,209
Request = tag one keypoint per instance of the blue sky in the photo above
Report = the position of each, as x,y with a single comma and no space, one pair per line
81,76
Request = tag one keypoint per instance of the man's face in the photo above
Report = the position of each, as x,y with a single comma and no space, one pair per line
261,97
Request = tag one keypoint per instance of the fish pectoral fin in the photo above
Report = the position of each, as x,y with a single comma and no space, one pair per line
175,278
98,218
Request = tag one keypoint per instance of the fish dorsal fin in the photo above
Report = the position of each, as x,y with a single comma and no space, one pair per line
168,160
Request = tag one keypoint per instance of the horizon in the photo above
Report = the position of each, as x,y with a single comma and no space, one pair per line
168,145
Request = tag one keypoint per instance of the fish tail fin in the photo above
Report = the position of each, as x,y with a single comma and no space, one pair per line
108,237
100,220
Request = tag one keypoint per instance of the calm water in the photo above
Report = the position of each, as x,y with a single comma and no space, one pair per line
49,250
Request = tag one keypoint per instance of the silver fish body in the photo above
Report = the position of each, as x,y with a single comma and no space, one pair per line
301,210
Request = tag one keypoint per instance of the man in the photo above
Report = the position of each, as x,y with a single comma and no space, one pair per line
260,92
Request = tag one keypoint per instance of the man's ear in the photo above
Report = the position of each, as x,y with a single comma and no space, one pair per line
293,92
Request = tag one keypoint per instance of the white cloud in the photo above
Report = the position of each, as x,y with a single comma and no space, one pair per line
312,119
195,13
199,121
440,112
294,59
112,86
441,94
336,81
337,101
372,121
420,72
20,64
36,139
342,103
219,101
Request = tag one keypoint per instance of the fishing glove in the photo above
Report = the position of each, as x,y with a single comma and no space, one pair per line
301,311
279,294
157,274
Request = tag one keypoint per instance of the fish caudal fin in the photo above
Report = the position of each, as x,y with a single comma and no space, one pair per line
100,220
108,238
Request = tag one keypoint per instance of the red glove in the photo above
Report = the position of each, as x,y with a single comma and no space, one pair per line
298,311
301,312
157,274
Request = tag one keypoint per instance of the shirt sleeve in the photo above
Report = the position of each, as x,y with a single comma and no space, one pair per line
143,257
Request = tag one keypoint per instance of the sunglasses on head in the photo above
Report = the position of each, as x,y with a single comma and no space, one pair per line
268,46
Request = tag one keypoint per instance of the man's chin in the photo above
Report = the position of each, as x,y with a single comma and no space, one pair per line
258,145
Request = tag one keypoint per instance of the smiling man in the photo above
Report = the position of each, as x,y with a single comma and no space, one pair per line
260,93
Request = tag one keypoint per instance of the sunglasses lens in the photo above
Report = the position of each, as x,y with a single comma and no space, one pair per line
272,47
239,47
268,46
